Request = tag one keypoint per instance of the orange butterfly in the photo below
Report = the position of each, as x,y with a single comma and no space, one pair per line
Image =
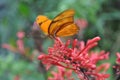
62,25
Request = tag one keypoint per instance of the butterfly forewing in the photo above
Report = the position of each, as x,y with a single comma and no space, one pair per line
64,14
60,22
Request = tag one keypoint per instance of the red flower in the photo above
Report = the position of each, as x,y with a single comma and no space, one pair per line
20,44
20,34
82,23
77,58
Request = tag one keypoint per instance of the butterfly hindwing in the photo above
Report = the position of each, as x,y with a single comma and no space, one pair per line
68,30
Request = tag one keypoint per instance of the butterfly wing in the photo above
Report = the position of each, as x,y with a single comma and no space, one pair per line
61,24
65,14
68,30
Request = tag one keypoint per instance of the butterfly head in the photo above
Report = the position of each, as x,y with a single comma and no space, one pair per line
40,19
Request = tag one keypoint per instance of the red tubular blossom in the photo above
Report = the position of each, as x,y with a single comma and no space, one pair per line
90,44
74,43
20,45
97,56
77,58
21,34
103,67
96,39
9,47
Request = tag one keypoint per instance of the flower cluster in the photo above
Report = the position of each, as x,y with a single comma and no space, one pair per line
20,44
78,58
20,47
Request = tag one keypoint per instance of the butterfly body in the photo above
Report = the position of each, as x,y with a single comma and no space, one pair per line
62,25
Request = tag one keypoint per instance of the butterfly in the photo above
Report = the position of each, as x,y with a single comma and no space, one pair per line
62,25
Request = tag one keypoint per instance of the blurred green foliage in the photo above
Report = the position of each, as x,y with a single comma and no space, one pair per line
15,15
10,67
